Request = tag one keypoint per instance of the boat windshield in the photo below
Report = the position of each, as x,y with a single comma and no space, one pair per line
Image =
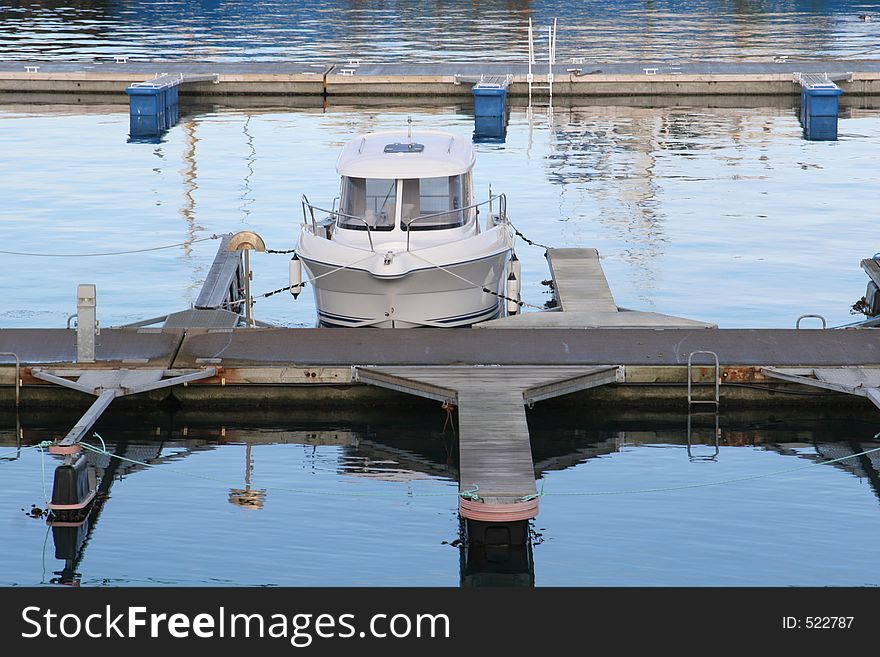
367,202
437,202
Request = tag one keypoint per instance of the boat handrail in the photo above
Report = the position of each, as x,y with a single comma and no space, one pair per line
410,222
333,214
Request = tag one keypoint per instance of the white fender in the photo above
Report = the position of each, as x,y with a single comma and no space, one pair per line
296,284
512,294
515,267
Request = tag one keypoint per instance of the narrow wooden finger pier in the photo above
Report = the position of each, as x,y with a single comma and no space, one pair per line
496,474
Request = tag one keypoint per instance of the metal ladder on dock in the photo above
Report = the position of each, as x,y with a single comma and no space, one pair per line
530,76
715,401
551,60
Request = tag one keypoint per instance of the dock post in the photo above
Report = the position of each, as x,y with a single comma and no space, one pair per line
86,323
246,241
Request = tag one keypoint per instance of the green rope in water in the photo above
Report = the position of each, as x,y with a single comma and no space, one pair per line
43,470
533,496
11,455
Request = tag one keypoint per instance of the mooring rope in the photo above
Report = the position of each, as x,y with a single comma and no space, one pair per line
518,302
526,239
10,455
40,446
303,283
43,471
471,494
110,253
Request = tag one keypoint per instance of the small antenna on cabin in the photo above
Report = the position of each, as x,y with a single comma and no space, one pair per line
409,129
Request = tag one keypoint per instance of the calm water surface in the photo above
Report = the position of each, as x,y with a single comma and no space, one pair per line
722,214
457,30
362,502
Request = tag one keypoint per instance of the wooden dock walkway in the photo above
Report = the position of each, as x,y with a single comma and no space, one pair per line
496,471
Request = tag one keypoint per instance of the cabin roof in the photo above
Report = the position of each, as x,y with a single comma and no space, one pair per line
444,154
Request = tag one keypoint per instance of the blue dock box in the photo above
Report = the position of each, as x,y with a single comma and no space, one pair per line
490,129
153,106
489,99
819,109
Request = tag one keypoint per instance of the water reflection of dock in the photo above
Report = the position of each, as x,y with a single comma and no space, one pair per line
418,450
613,161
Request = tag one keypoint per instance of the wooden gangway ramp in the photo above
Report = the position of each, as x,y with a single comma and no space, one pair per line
579,281
585,300
496,472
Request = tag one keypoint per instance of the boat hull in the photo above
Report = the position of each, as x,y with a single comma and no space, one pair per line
447,296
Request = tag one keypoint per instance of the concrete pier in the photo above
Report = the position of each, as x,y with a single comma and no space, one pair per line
590,79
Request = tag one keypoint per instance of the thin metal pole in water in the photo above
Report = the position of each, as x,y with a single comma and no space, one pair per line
247,289
530,77
551,56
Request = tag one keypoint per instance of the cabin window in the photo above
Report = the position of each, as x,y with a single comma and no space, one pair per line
432,203
367,202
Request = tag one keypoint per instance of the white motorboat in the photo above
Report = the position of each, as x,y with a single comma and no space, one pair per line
404,246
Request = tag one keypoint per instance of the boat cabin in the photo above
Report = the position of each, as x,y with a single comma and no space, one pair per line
393,182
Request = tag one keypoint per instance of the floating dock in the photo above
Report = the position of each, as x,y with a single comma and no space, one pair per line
496,473
585,300
578,78
586,351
